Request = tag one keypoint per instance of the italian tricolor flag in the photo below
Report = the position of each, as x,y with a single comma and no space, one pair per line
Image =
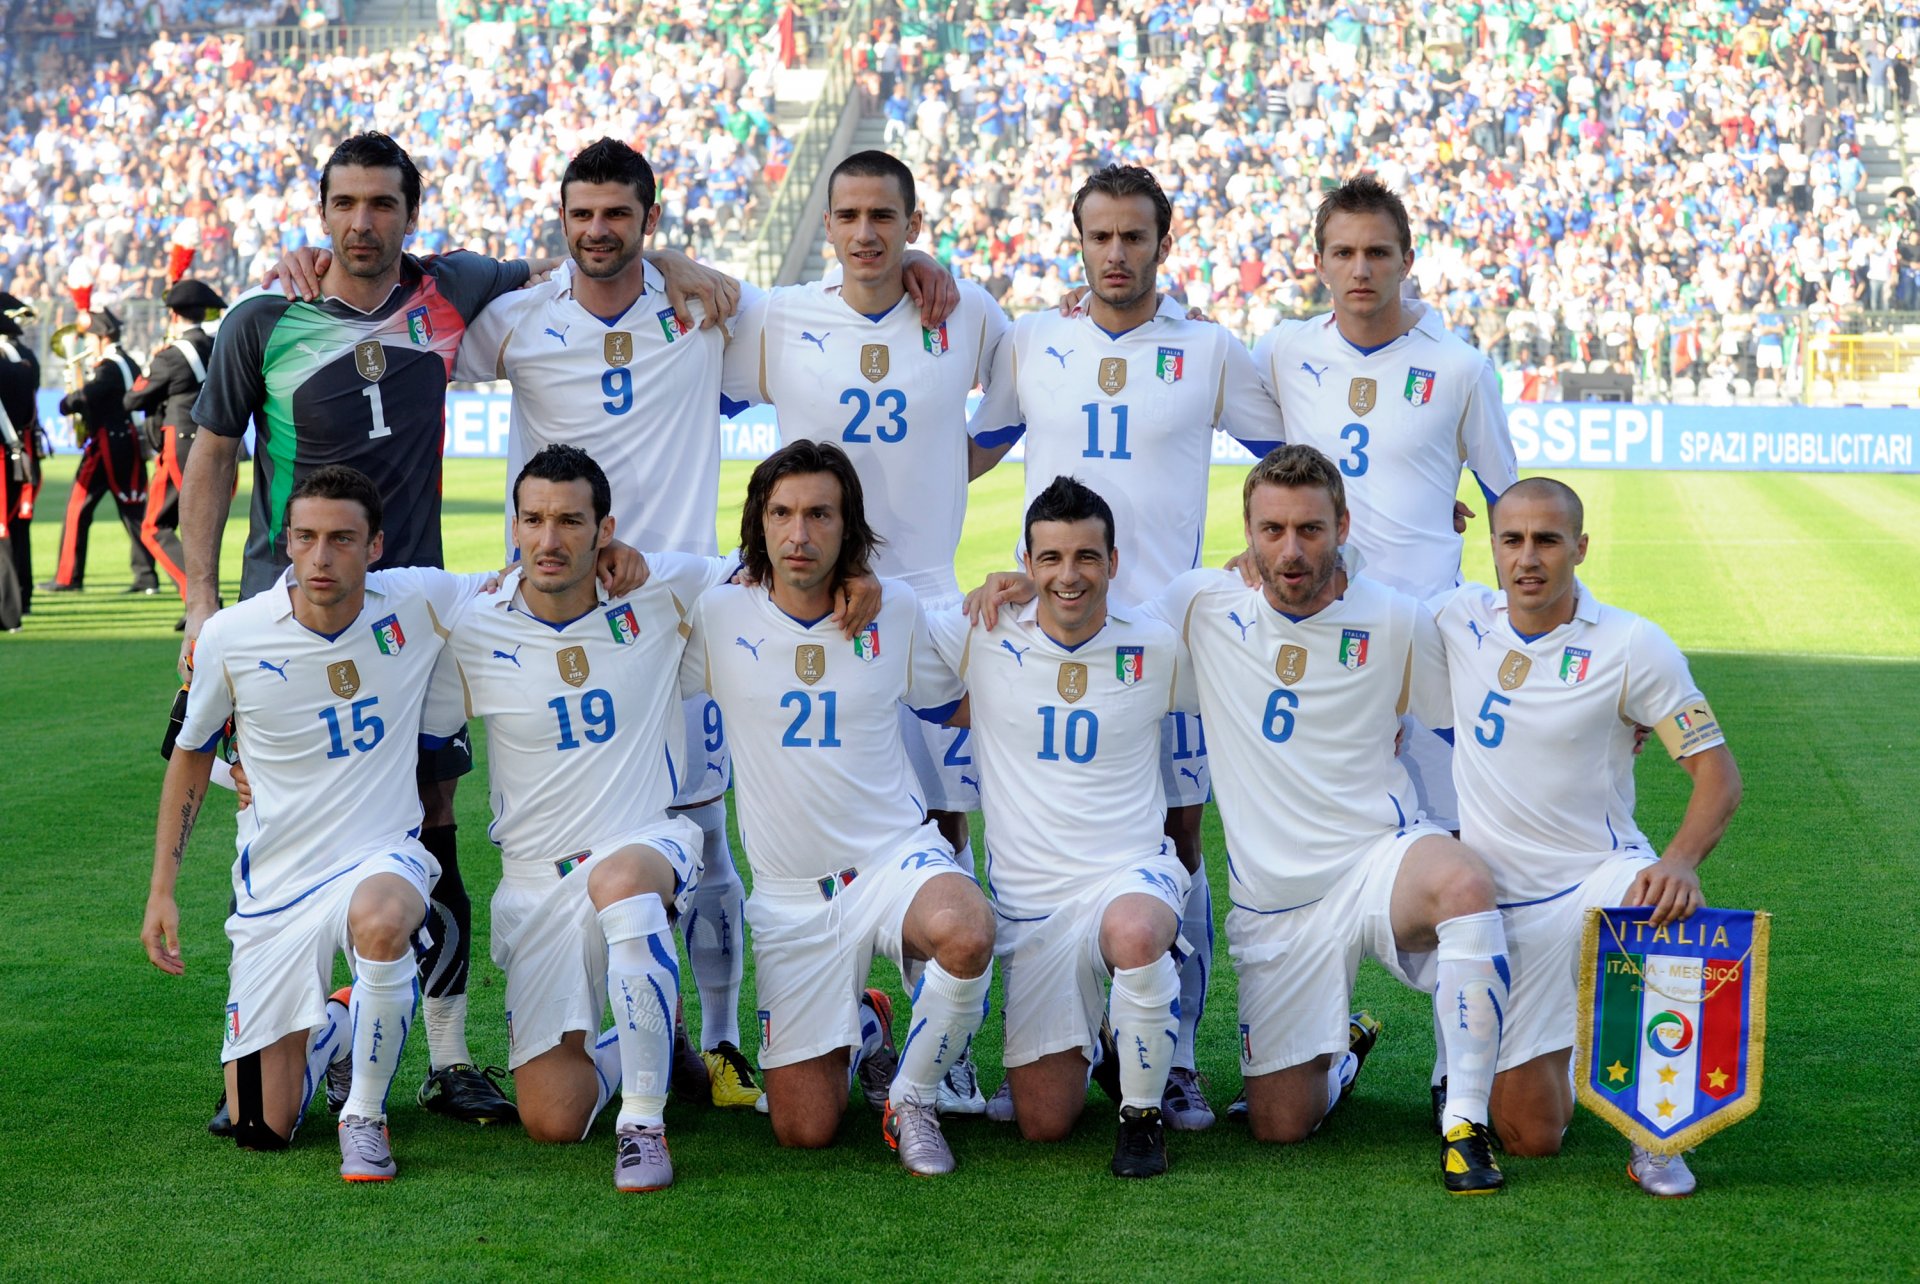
1665,1051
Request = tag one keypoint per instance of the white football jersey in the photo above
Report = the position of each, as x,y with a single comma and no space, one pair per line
892,394
1067,740
821,780
584,729
1301,718
1398,421
640,393
329,728
1132,416
1543,733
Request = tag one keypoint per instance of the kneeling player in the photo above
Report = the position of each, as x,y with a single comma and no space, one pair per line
1548,683
580,695
324,677
844,859
1066,702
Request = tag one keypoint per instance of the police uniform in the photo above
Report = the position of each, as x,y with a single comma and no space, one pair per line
19,462
165,394
110,462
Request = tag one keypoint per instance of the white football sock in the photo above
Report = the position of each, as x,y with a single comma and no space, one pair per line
964,859
1196,927
947,1012
1339,1075
643,980
606,1074
446,1021
381,1009
1471,1002
1144,1029
1439,1052
715,912
872,1039
327,1043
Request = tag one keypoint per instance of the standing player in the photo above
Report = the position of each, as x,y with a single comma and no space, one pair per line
1066,701
19,462
1548,684
844,859
110,461
852,363
1303,682
324,676
165,394
1380,386
1126,396
358,377
580,694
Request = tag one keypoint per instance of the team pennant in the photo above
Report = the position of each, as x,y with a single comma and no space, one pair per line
1129,664
866,643
1574,664
419,327
1419,386
1670,1041
1170,365
387,633
1353,648
934,340
671,325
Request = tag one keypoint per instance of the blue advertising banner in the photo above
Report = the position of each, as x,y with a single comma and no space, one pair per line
1658,438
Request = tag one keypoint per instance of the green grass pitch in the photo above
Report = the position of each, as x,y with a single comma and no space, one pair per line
1794,596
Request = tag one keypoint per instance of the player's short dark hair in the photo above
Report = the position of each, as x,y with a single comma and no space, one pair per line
374,150
337,481
874,165
1120,182
1547,488
611,161
1068,499
858,541
562,463
1363,194
1295,466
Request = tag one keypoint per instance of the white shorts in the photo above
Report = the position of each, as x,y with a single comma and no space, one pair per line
1296,967
282,965
1767,356
942,757
1429,761
707,763
1543,958
1183,760
814,942
1052,966
546,938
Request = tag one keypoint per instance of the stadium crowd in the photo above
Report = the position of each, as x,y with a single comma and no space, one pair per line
195,141
1639,185
1606,182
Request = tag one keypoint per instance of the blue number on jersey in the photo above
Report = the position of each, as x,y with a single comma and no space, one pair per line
1496,729
1183,749
596,715
802,702
617,384
1356,436
1092,411
710,720
1278,726
1082,734
888,401
368,729
953,757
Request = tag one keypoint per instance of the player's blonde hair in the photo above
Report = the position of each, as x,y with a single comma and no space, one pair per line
1295,466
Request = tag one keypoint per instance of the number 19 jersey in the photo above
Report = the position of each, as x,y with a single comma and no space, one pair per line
584,729
821,779
890,392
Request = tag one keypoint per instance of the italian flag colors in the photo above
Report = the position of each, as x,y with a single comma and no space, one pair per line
1673,1019
1669,1034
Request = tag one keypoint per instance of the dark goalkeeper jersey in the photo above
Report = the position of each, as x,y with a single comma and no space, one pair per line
324,383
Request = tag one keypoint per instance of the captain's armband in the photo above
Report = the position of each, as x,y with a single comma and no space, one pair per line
1690,730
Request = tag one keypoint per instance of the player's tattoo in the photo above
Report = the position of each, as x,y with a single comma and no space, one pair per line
189,810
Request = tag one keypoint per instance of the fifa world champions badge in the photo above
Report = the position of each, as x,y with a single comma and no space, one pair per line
1671,1036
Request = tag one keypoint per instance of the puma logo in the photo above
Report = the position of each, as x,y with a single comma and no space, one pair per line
1060,356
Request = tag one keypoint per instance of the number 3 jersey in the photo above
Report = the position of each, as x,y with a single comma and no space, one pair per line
890,392
584,731
1399,421
1301,719
328,728
324,383
1068,743
821,778
1543,733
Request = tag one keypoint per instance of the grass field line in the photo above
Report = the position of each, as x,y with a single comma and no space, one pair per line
1800,655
